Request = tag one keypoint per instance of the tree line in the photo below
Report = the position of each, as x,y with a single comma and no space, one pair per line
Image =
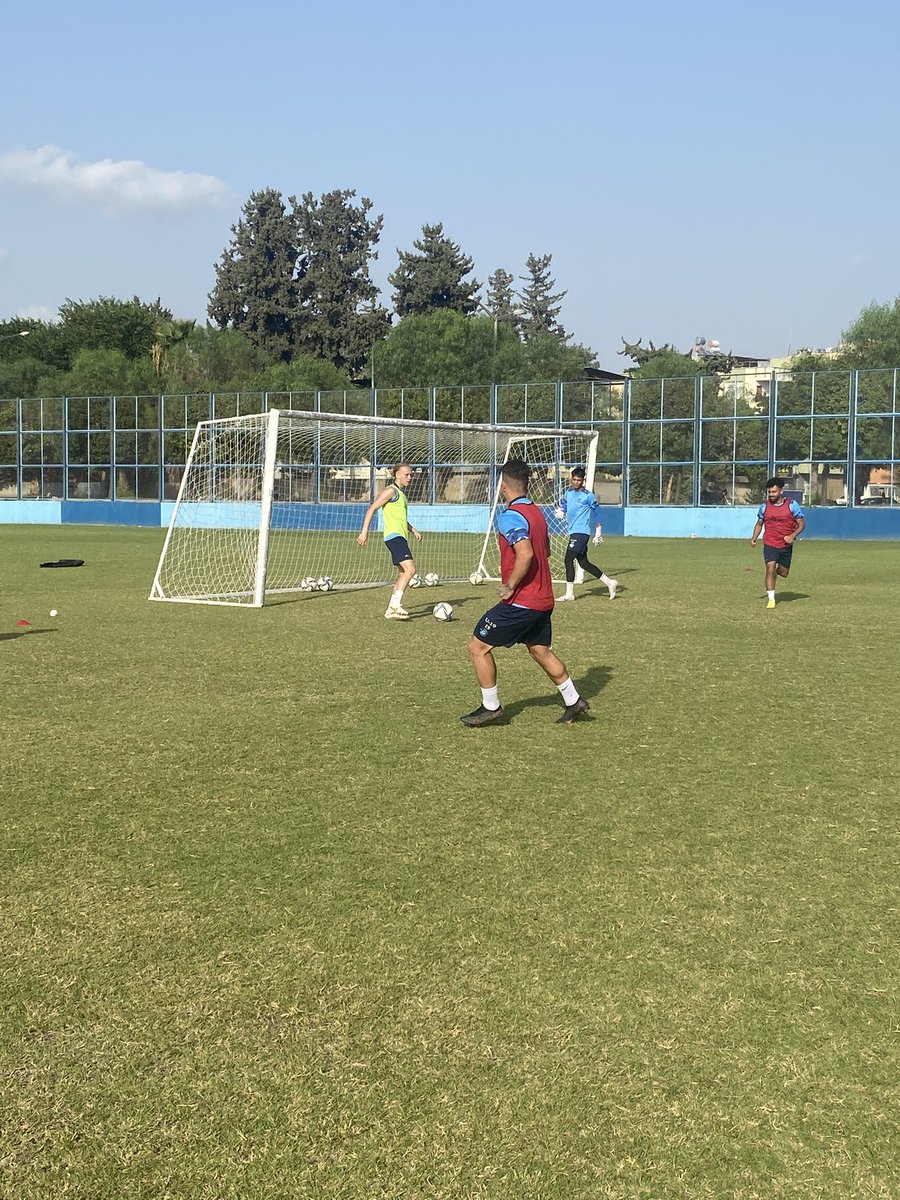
293,307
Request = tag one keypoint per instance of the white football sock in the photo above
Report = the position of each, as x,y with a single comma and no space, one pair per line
570,589
396,599
490,697
568,691
771,594
604,578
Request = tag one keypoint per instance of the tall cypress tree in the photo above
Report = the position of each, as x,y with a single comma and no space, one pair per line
256,279
433,278
338,317
540,306
500,300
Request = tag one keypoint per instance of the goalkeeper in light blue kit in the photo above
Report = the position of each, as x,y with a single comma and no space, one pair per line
581,512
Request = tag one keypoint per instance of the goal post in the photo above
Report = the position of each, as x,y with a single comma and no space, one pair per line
273,502
544,451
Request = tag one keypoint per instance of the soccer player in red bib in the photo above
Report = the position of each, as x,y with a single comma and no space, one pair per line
526,602
780,521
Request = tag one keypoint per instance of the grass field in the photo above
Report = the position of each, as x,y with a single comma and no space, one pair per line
276,925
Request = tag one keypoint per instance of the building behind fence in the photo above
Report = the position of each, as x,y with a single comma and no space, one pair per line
694,442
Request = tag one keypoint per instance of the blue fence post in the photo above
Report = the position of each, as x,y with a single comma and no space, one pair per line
113,450
19,436
698,412
850,486
626,425
65,455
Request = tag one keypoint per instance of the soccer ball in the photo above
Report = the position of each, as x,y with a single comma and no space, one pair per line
308,584
443,611
476,577
431,579
326,583
415,581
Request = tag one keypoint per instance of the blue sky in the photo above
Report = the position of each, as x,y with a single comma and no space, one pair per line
726,171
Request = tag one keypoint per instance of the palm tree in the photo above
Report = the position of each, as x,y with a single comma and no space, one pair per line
168,335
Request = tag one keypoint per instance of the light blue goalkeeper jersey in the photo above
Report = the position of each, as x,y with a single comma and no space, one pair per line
582,510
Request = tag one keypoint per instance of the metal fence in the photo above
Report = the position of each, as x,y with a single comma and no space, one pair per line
834,435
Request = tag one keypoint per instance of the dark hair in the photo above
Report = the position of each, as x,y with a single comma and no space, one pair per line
518,472
578,472
775,481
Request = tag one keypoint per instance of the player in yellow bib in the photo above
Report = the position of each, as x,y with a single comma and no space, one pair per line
392,500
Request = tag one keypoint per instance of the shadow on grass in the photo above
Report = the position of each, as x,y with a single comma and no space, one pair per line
590,685
787,597
19,633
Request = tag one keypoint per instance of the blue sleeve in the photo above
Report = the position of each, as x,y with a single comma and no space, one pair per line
761,513
512,526
796,510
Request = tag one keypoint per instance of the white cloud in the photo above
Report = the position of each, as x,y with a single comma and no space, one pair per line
117,186
38,312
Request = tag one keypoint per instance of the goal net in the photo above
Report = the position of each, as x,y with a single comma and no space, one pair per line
272,503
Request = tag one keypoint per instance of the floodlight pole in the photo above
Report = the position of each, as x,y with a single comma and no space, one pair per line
493,317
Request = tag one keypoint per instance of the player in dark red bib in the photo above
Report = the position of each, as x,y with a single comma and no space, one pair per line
780,521
526,602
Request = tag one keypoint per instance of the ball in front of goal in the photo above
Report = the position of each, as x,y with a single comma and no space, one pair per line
443,611
308,584
476,577
431,579
416,581
325,584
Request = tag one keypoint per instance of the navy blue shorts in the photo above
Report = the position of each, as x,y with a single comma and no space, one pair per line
778,554
507,625
399,550
577,544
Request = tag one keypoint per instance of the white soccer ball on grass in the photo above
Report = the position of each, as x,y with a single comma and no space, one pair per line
309,584
432,579
325,584
416,581
443,611
476,577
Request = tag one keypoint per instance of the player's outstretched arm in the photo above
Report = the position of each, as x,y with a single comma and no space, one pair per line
757,530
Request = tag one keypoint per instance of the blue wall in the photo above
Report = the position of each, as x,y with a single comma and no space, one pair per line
851,524
865,523
109,512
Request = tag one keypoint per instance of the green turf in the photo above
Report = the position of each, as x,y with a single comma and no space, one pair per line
276,925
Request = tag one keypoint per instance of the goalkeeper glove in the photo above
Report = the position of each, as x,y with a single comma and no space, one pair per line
559,514
598,538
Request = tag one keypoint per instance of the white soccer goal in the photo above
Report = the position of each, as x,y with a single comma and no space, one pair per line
272,501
